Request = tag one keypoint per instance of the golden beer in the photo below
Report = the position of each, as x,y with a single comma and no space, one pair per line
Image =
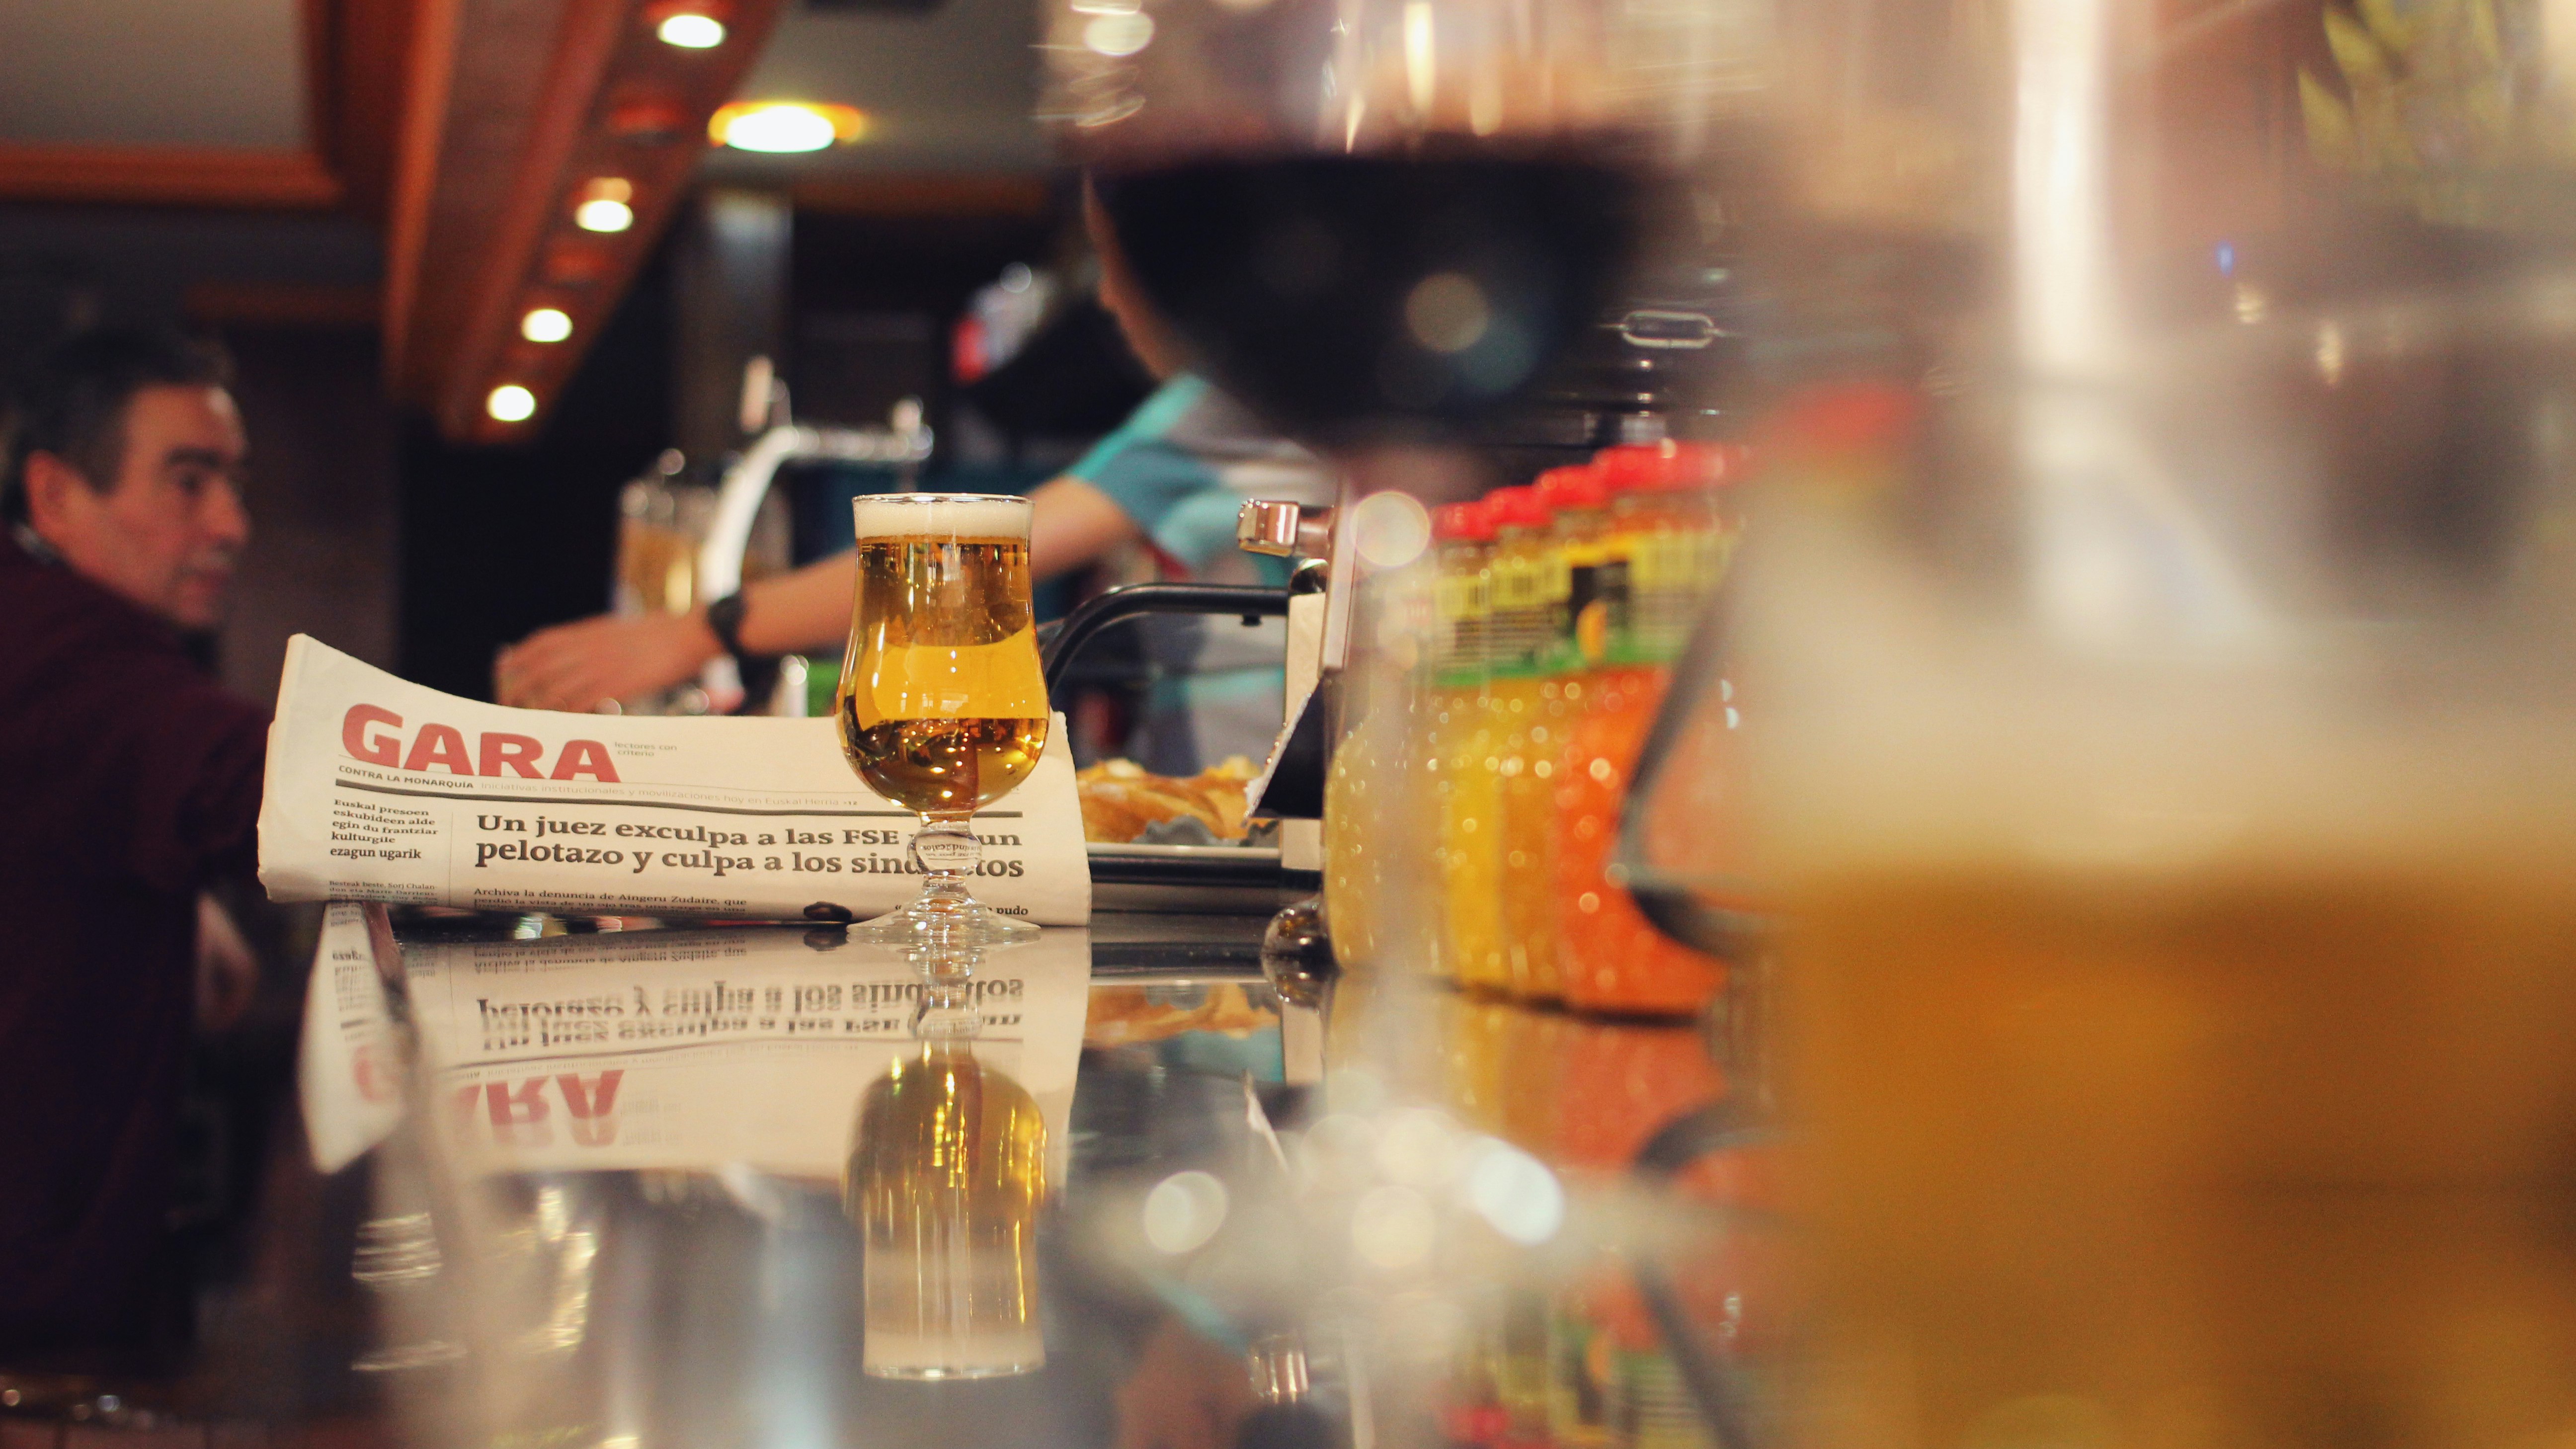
2224,1156
945,1180
942,707
942,704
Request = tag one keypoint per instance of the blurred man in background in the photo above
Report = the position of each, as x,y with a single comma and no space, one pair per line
132,780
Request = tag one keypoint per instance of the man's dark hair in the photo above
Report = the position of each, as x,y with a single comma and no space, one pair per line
71,403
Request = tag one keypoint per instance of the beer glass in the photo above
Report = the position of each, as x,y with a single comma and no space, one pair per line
946,1176
2154,673
942,706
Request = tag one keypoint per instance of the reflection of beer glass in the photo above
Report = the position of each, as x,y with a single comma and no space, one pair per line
942,707
946,1175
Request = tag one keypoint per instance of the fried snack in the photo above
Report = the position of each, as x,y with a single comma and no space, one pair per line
1128,1015
1120,799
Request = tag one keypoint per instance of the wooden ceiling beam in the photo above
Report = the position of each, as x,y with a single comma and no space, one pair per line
587,42
420,126
359,54
168,176
351,62
514,107
282,304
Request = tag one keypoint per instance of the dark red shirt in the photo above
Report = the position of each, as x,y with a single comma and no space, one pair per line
127,779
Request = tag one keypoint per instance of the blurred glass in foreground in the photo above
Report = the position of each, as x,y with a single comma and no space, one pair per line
1382,221
2152,645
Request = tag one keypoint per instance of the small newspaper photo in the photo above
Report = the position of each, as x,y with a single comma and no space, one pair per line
383,790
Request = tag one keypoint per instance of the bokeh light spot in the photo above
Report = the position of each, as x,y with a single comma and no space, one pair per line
1183,1211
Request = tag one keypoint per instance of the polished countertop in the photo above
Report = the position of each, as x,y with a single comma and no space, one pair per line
612,1183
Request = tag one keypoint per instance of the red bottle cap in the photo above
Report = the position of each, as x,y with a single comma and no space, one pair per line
1671,467
1517,508
1577,487
1469,522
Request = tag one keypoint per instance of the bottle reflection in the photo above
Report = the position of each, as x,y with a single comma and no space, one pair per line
947,1171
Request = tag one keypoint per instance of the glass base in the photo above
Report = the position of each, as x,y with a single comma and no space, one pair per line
934,1375
934,920
944,919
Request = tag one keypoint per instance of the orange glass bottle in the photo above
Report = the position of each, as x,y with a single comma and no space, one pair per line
1525,750
1459,749
1665,548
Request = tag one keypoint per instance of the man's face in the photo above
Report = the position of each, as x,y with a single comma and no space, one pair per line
167,529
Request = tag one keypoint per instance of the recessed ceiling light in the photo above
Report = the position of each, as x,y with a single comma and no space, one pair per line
781,127
691,31
603,205
511,403
546,324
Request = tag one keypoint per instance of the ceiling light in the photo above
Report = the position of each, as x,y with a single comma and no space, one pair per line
546,324
784,126
691,31
511,403
603,205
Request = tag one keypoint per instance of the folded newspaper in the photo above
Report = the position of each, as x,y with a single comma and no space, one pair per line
383,790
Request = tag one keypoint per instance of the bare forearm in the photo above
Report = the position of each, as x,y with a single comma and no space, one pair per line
1074,523
804,612
583,664
809,610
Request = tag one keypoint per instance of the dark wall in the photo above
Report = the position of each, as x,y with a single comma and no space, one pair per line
68,266
501,541
874,298
323,549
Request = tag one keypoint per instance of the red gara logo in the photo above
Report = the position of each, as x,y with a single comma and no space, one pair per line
375,735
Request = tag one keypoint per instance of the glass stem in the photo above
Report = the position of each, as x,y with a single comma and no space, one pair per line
946,852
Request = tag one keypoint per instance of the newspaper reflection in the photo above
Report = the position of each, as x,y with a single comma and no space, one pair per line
717,1051
694,1186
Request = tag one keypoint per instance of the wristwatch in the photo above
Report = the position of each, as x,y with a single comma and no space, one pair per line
724,620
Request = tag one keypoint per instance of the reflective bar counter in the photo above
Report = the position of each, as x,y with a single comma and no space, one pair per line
613,1184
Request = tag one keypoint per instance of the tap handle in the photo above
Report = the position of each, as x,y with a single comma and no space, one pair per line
1266,525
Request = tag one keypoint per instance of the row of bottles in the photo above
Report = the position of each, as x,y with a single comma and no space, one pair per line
1557,611
1572,1357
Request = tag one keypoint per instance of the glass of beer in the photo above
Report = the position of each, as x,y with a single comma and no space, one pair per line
947,1173
942,706
2154,667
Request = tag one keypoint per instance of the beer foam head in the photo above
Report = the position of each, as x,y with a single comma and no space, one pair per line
943,515
1902,725
976,1353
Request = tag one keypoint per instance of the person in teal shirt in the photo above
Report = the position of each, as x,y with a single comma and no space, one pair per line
1171,478
1180,468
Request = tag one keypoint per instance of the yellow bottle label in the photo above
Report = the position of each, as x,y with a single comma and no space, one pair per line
1519,582
1461,596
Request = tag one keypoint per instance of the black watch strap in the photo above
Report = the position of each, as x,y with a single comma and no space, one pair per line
724,620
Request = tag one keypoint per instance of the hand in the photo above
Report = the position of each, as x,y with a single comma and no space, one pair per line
1185,1393
580,665
227,972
